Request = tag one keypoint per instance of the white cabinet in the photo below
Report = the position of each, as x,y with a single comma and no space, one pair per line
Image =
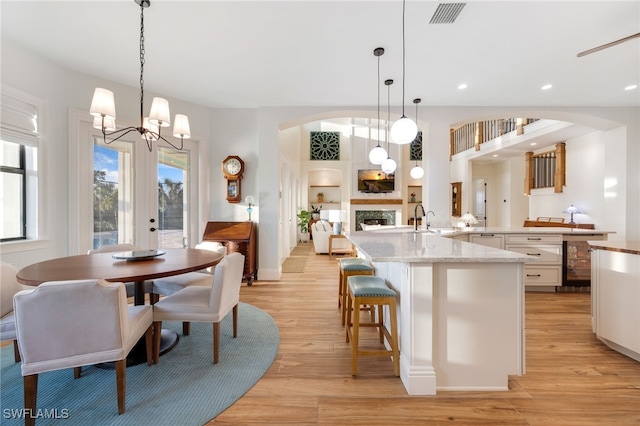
615,295
547,271
488,239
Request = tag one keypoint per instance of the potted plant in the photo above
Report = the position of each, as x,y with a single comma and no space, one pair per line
315,212
303,224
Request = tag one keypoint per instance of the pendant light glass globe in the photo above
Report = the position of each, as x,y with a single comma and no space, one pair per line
377,155
417,172
389,166
404,131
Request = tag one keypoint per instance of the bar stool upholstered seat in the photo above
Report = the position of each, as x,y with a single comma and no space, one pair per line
372,291
350,267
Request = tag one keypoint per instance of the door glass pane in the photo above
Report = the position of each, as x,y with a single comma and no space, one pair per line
173,169
112,193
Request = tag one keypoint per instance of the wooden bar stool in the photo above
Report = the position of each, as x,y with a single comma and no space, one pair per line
372,291
350,267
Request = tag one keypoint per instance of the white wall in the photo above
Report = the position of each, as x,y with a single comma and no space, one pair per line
254,135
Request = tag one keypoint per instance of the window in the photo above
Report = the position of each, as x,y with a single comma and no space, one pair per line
13,184
19,140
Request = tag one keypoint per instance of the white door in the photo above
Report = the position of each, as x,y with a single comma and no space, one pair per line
480,201
140,197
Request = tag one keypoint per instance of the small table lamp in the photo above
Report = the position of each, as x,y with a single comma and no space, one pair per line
468,219
335,216
250,202
572,210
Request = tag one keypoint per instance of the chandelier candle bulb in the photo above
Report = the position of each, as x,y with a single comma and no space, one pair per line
152,129
108,123
103,104
181,127
159,114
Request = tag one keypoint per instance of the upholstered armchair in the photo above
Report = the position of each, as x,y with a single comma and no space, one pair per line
321,231
70,324
8,287
169,285
204,303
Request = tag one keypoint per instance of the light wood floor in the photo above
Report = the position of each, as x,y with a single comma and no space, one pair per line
571,378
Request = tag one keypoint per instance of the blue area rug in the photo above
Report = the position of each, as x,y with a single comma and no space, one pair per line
185,388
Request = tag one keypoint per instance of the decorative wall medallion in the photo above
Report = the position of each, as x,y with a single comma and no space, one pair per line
325,145
415,149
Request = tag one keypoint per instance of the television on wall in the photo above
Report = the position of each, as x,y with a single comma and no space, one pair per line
375,181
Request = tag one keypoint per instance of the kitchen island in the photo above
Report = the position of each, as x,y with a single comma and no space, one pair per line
615,295
461,309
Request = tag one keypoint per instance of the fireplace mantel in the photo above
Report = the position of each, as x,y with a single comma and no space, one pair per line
376,201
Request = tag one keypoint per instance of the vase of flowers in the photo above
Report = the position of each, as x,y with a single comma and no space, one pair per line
413,197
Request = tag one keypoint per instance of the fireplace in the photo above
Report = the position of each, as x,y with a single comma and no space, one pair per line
374,217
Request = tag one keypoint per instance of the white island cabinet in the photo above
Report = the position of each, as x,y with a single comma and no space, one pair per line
615,295
461,309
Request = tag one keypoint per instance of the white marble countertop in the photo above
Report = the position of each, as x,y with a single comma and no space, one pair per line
534,230
494,230
429,248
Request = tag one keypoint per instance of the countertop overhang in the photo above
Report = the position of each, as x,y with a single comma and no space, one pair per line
402,244
429,248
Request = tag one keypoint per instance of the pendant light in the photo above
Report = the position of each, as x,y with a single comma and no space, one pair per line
378,154
404,130
103,109
417,172
389,165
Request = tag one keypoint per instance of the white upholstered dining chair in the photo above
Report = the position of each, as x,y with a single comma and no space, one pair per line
204,303
70,324
9,286
112,248
169,285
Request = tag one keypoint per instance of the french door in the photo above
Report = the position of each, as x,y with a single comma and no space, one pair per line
149,199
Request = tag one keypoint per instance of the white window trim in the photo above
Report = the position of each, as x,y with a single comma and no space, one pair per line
42,199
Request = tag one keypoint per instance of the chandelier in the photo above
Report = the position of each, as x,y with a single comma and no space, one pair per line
103,108
378,154
404,130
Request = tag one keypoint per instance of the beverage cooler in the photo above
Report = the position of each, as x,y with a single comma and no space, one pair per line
576,260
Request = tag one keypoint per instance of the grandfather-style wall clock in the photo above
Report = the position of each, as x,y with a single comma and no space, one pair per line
232,168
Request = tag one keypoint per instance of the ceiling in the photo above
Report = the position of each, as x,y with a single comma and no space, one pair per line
320,53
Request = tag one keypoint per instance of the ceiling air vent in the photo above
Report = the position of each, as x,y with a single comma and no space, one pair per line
446,13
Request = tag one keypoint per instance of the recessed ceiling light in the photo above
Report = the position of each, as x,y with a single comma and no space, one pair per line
533,143
495,155
631,87
547,87
462,86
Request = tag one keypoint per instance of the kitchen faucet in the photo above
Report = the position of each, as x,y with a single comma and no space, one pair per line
428,223
415,216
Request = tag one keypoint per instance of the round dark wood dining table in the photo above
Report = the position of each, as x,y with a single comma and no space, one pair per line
103,265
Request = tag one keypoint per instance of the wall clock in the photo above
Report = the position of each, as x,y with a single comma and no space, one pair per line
232,169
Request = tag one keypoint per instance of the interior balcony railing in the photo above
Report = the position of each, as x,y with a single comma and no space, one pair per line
472,135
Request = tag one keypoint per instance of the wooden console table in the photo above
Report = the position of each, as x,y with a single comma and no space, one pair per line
237,237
